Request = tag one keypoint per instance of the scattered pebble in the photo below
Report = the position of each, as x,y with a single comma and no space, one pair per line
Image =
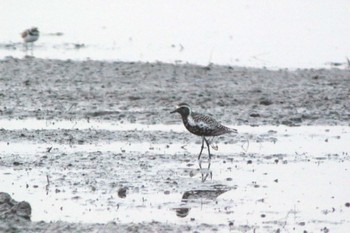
122,192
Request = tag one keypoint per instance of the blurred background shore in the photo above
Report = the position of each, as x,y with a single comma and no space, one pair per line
272,34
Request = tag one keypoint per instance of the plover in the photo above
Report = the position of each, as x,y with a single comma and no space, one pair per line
30,36
201,125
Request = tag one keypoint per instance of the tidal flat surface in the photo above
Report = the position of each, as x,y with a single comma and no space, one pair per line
266,178
92,147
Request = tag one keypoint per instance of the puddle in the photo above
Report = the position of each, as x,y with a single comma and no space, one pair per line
291,178
269,140
34,124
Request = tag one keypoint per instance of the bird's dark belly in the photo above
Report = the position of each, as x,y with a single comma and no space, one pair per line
200,131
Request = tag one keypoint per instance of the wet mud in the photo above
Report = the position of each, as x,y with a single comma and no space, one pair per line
91,147
145,92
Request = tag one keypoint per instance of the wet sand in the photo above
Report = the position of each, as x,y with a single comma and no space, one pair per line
91,146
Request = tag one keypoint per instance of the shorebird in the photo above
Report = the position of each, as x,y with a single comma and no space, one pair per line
30,36
201,125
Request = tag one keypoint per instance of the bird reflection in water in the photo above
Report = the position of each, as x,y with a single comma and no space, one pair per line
195,195
205,172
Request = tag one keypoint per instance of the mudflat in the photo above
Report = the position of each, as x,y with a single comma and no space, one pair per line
91,146
145,92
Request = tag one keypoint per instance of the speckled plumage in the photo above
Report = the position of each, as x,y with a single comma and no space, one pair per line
30,35
205,125
201,125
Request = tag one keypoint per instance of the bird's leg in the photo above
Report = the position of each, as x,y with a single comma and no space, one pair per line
206,141
200,153
32,48
211,142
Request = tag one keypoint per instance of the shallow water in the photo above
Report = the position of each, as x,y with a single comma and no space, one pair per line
284,178
313,140
242,33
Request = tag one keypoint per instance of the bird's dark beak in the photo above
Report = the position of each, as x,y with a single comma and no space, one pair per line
174,111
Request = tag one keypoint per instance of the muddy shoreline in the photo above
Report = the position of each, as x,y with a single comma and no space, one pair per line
146,92
115,170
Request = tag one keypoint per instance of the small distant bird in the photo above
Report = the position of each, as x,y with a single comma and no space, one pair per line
30,36
201,125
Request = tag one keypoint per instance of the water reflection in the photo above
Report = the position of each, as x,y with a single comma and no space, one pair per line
206,172
194,196
203,170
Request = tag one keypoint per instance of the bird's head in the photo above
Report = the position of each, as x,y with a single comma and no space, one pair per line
34,30
184,109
